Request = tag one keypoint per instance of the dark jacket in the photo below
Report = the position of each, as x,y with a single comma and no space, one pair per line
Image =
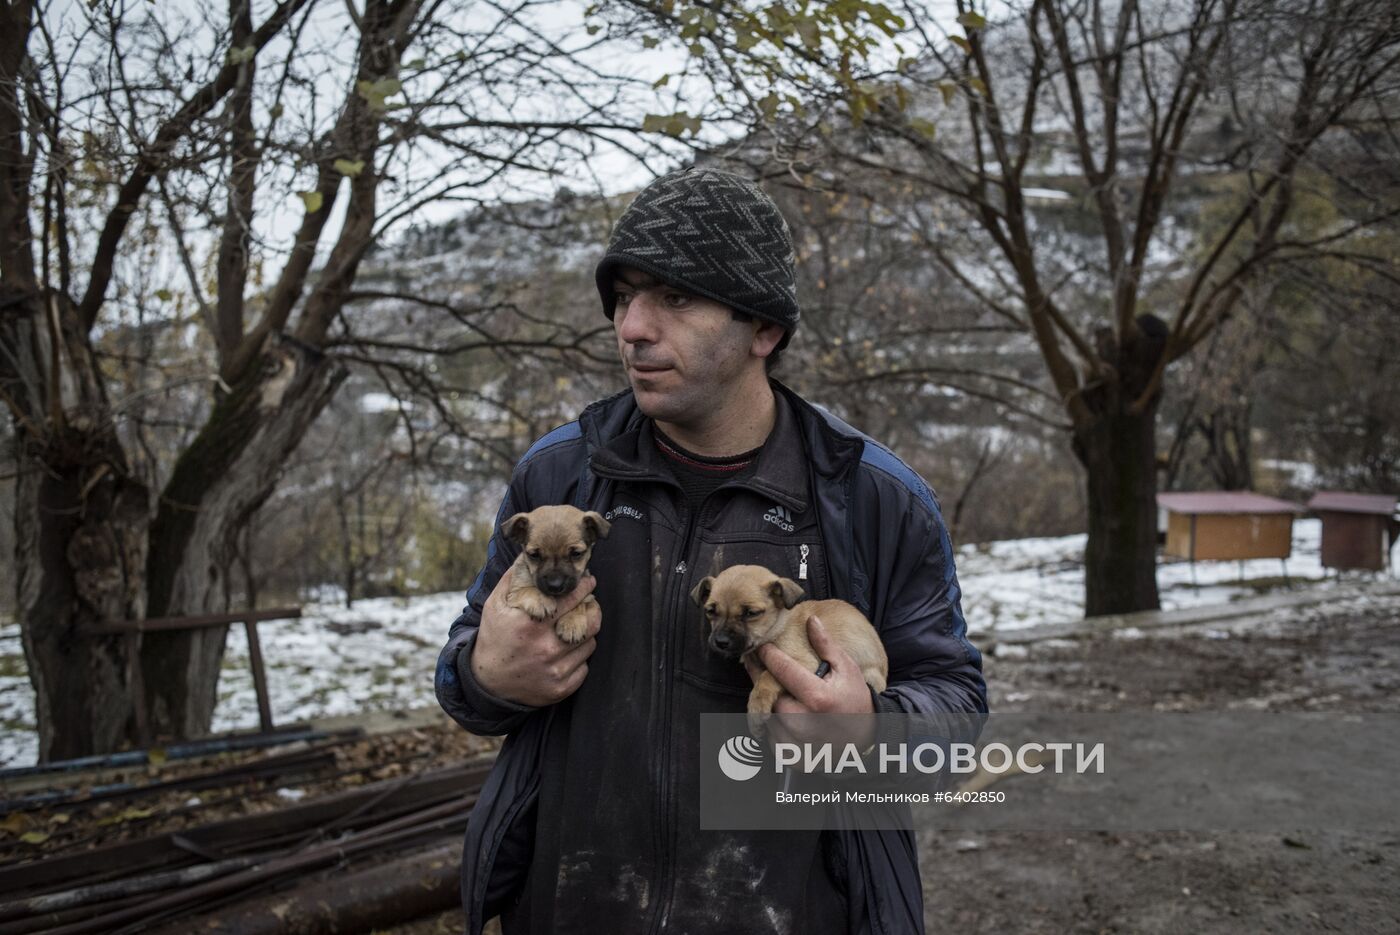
825,504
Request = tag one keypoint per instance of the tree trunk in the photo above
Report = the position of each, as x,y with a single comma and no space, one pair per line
226,473
347,550
80,547
1118,448
80,531
1227,447
1120,560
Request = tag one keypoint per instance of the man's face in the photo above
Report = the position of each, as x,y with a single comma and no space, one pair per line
683,353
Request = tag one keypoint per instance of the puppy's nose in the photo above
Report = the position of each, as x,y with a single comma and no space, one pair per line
725,642
556,584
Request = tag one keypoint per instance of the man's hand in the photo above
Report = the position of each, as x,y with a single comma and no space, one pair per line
841,691
522,660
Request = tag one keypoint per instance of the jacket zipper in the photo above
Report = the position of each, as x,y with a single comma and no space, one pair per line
663,779
802,562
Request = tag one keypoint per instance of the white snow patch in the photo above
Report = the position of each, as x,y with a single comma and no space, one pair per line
1020,583
382,402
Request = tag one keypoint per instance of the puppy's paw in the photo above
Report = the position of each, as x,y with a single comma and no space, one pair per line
535,604
760,709
572,628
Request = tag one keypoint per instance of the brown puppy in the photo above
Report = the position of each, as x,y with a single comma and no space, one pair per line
748,605
555,543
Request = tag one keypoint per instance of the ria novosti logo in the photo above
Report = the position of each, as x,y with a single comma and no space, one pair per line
741,758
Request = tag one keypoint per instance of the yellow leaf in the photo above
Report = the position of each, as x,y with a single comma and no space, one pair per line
15,823
348,167
131,814
671,124
156,756
34,837
374,92
312,200
962,43
949,90
970,20
388,86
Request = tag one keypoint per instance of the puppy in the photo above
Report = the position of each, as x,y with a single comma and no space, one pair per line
555,543
747,606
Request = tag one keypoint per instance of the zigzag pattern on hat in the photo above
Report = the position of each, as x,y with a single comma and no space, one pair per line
715,233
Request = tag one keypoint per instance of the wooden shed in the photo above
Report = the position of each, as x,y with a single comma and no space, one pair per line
1227,525
1358,529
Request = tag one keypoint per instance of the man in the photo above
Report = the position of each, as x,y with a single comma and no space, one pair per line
589,820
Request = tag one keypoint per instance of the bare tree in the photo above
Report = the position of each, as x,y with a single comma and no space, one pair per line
1058,156
147,158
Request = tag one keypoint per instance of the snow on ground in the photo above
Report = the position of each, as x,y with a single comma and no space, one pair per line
379,655
1026,582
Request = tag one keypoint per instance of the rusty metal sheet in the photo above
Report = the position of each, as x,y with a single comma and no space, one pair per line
1380,504
1224,501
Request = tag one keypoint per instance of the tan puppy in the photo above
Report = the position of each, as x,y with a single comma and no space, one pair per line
748,605
555,543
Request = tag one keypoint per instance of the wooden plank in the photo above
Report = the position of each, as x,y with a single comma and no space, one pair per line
1243,536
197,622
137,686
255,660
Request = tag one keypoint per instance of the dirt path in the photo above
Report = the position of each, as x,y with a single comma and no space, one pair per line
1340,658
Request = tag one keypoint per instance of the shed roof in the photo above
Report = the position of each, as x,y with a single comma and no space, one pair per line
1340,502
1224,501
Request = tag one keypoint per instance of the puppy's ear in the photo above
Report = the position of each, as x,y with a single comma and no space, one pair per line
786,592
701,592
594,527
517,529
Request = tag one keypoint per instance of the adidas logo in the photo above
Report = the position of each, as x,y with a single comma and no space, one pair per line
780,517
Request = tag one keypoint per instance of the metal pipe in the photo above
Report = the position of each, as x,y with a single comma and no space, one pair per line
178,751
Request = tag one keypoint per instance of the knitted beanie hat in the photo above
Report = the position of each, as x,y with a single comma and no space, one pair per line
712,233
